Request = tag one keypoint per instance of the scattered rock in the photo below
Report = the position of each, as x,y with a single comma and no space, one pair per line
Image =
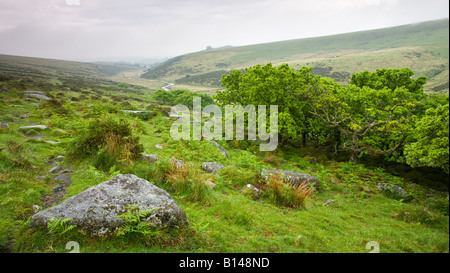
210,184
158,146
251,191
173,115
51,142
212,167
294,179
394,192
331,201
222,150
36,94
95,210
63,177
150,158
4,125
133,112
56,169
39,127
59,158
177,163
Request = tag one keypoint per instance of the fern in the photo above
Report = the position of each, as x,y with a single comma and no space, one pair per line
59,226
133,217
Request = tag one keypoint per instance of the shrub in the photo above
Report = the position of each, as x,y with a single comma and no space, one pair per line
284,195
187,182
108,142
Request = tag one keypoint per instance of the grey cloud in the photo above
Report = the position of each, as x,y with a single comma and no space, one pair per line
165,28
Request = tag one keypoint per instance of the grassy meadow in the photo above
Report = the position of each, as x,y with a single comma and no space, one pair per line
223,218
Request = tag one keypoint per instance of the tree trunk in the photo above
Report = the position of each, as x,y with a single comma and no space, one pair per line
304,139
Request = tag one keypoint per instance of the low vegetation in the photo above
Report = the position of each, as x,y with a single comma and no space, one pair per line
86,125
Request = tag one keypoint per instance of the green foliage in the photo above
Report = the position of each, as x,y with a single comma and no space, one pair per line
268,85
375,121
181,97
432,146
135,222
391,79
59,226
164,97
108,141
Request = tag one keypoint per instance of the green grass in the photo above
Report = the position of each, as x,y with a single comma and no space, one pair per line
222,219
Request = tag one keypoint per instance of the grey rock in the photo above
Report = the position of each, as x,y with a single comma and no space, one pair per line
210,184
173,115
394,192
39,127
59,158
331,201
136,112
222,150
150,158
95,210
36,94
177,163
251,191
158,146
4,125
212,167
294,179
56,169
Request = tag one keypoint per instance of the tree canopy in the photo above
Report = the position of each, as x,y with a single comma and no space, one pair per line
378,112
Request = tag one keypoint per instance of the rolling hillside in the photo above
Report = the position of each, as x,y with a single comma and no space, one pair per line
47,74
423,47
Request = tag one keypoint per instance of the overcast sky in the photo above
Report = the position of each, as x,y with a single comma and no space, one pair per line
89,30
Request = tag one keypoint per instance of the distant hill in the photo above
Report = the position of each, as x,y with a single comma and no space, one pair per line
423,47
46,74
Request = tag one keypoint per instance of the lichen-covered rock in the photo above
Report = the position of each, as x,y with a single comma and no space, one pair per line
212,167
294,179
150,158
4,125
222,150
36,94
95,210
251,191
177,163
394,192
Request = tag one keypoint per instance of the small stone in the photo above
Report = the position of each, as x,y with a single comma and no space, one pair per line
158,146
40,127
212,167
60,158
150,158
4,125
56,169
251,191
210,184
331,201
